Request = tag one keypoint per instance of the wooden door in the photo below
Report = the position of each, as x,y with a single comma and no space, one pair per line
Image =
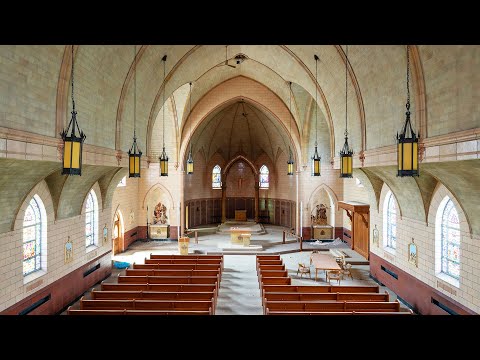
360,226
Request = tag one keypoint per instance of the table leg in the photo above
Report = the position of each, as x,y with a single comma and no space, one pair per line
316,272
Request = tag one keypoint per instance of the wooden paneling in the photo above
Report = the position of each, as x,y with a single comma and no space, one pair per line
209,211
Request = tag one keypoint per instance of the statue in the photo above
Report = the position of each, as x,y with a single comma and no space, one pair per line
320,217
160,214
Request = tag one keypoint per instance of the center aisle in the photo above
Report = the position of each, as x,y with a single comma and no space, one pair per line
239,293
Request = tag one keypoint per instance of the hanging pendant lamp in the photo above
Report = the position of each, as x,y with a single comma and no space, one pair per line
134,154
190,157
346,154
163,157
316,158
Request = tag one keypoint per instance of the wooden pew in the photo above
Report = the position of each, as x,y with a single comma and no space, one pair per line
274,273
274,281
162,288
71,311
268,257
269,262
158,287
323,306
146,305
177,267
358,297
322,289
271,267
155,272
268,312
136,312
184,261
168,279
191,256
150,295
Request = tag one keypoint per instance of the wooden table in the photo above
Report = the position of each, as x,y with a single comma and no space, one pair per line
323,262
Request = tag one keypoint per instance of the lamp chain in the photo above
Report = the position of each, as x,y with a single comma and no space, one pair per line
316,100
346,92
190,111
134,92
73,100
408,78
291,109
164,88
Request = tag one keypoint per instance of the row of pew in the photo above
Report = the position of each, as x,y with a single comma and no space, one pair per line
280,297
163,285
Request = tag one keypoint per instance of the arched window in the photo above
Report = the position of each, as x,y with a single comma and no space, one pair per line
217,177
390,221
264,179
91,220
449,239
34,236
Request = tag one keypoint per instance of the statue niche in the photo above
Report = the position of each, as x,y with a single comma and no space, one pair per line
160,214
159,229
320,217
320,228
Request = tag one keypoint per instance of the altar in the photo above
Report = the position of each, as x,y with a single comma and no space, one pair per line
158,231
237,235
240,215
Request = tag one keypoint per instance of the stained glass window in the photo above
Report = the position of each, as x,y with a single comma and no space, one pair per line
264,180
91,216
450,241
216,177
32,238
391,221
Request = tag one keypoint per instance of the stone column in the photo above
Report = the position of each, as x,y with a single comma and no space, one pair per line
182,203
257,195
224,201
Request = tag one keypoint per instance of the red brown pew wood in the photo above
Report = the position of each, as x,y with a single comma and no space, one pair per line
269,262
152,295
158,287
313,306
271,268
321,289
274,281
274,273
358,297
268,257
177,267
155,272
197,256
295,296
169,279
409,312
191,256
184,261
135,312
164,305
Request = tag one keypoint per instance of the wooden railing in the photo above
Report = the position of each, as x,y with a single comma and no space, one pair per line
188,232
297,237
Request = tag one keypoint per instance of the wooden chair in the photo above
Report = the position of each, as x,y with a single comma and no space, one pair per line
335,275
304,269
346,269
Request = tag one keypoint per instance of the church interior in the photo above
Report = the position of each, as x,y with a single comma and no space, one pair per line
239,180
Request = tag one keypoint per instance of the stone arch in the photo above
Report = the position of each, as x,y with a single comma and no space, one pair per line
235,89
234,160
333,198
153,188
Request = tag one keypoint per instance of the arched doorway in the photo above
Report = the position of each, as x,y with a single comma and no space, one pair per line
117,234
